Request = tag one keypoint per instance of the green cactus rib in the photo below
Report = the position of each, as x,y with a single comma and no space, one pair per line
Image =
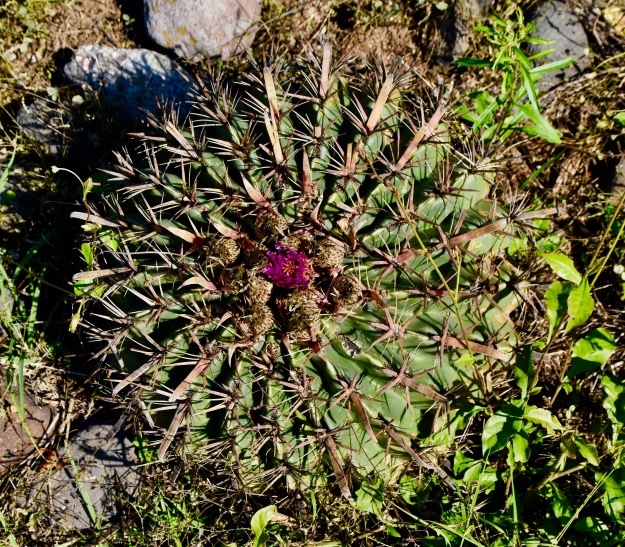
292,275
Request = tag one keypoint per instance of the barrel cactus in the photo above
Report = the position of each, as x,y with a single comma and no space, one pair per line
301,275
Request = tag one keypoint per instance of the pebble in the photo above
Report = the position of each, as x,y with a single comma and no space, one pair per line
196,28
20,436
131,82
617,185
46,123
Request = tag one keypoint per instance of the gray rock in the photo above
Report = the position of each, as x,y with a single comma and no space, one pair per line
617,186
46,123
84,488
456,28
131,82
557,22
191,28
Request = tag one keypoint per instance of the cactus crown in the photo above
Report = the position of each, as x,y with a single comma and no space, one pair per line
293,276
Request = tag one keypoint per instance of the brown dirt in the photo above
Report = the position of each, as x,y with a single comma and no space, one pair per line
28,63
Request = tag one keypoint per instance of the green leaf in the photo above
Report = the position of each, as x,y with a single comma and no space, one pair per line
87,186
591,352
620,118
554,65
580,305
259,523
556,297
560,504
544,418
370,497
408,489
613,485
568,446
524,370
472,62
500,427
563,266
588,452
87,253
541,127
520,447
594,527
614,403
550,243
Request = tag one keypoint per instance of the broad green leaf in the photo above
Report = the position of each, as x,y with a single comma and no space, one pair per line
591,352
588,452
409,489
259,522
475,473
594,527
580,305
556,297
563,266
613,485
620,118
568,446
560,504
544,418
498,429
520,447
87,253
370,497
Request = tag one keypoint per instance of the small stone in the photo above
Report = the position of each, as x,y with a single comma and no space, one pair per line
192,28
131,82
46,123
555,21
97,464
21,434
617,184
455,28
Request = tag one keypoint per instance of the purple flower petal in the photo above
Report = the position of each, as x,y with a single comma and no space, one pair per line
288,268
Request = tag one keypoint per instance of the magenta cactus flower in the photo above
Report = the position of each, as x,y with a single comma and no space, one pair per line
288,268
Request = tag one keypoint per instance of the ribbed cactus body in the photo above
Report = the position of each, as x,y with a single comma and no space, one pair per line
292,276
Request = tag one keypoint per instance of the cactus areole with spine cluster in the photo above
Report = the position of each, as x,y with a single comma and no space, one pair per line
302,276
